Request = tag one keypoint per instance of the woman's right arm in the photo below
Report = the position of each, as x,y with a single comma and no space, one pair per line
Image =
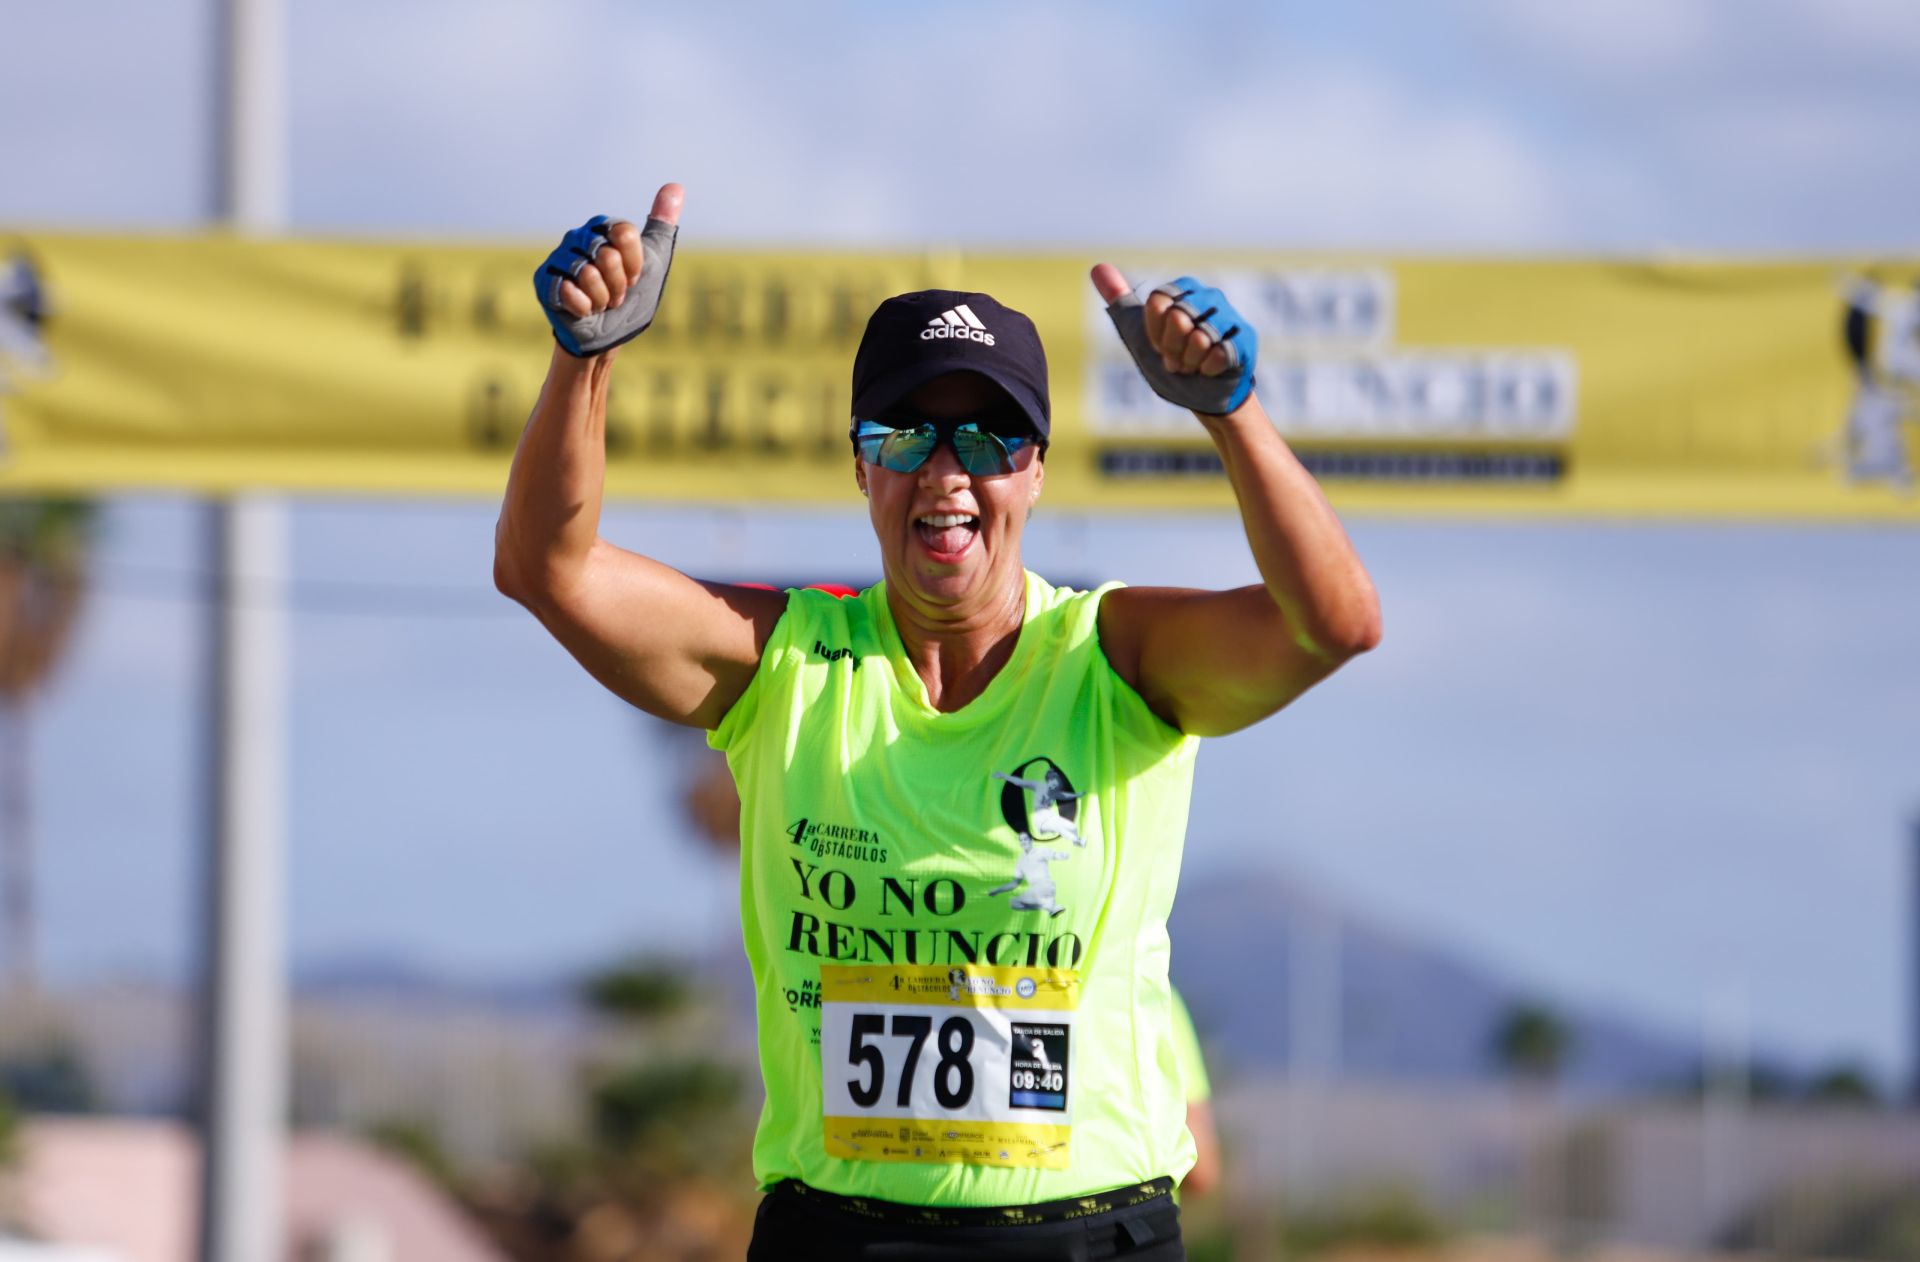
673,646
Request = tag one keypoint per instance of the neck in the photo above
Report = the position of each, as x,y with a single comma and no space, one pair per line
957,650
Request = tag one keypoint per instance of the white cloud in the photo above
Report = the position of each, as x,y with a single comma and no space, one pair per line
1718,125
1342,157
1614,39
1494,124
1054,130
1799,138
104,108
1885,31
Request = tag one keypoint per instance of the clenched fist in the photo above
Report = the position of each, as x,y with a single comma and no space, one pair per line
1190,344
603,283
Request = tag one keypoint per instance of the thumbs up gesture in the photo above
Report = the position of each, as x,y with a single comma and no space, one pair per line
602,285
1189,343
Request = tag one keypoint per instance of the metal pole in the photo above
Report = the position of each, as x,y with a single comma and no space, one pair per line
252,170
1315,1013
1912,910
1723,1106
244,1131
244,1004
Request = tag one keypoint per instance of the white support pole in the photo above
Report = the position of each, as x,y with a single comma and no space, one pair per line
1912,912
1728,1047
244,1028
244,1133
1315,1015
253,150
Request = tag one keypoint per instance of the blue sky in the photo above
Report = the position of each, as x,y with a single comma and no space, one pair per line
1645,765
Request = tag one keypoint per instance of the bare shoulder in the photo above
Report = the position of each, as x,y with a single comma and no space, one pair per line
1123,613
1127,617
1208,662
680,648
755,609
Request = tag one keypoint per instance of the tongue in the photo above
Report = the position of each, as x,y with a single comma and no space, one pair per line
946,538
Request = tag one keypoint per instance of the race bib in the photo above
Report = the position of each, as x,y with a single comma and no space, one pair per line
970,1064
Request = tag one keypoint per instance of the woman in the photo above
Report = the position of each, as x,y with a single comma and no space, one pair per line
964,791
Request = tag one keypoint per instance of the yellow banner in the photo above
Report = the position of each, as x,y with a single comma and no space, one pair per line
1409,385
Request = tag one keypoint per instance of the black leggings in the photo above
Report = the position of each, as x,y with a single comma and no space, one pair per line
795,1225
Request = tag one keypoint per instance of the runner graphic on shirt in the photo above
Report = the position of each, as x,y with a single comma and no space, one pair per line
1031,870
1043,806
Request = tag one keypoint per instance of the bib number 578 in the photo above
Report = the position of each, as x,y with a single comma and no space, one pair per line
952,1072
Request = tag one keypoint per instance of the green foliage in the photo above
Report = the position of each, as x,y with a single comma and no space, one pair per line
1213,1244
562,1168
1532,1042
1385,1218
9,1132
49,1079
665,1130
417,1143
51,533
640,991
1843,1084
1768,1082
638,1106
1871,1219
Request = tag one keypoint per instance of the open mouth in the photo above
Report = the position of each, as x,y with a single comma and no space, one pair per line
947,535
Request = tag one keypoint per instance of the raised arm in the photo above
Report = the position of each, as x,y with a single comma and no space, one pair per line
673,646
1214,662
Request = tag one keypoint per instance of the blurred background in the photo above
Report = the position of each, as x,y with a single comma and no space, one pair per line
1579,917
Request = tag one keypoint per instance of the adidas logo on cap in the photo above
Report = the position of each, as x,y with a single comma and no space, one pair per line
957,322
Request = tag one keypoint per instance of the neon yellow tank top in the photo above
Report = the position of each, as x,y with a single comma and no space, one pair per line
1186,1046
957,922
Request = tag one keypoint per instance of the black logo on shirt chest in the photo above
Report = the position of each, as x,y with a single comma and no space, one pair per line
834,655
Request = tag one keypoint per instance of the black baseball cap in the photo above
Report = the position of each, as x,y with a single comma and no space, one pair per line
913,338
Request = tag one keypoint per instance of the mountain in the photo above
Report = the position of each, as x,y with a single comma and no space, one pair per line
372,975
1396,1008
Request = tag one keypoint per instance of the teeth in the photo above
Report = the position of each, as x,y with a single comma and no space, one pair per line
941,520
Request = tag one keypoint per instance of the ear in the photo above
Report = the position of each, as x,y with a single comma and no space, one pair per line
1039,480
860,475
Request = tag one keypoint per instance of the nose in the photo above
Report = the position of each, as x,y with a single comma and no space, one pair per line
943,468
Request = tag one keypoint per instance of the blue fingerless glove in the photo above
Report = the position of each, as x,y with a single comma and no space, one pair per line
581,336
1209,309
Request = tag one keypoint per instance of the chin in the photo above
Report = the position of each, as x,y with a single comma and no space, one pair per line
945,584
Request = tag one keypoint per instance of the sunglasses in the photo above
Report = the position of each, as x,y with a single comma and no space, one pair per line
904,446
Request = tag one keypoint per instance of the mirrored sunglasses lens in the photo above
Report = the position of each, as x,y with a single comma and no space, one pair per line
905,450
902,449
982,453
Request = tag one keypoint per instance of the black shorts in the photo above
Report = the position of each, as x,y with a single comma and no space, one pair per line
798,1224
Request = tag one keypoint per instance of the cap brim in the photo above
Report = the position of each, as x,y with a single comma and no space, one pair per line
897,385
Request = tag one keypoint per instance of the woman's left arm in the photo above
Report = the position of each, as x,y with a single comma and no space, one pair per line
1215,662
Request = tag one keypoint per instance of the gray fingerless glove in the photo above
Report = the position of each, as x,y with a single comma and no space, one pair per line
1209,309
581,336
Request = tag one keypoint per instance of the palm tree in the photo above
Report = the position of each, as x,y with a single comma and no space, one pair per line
1531,1043
44,546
